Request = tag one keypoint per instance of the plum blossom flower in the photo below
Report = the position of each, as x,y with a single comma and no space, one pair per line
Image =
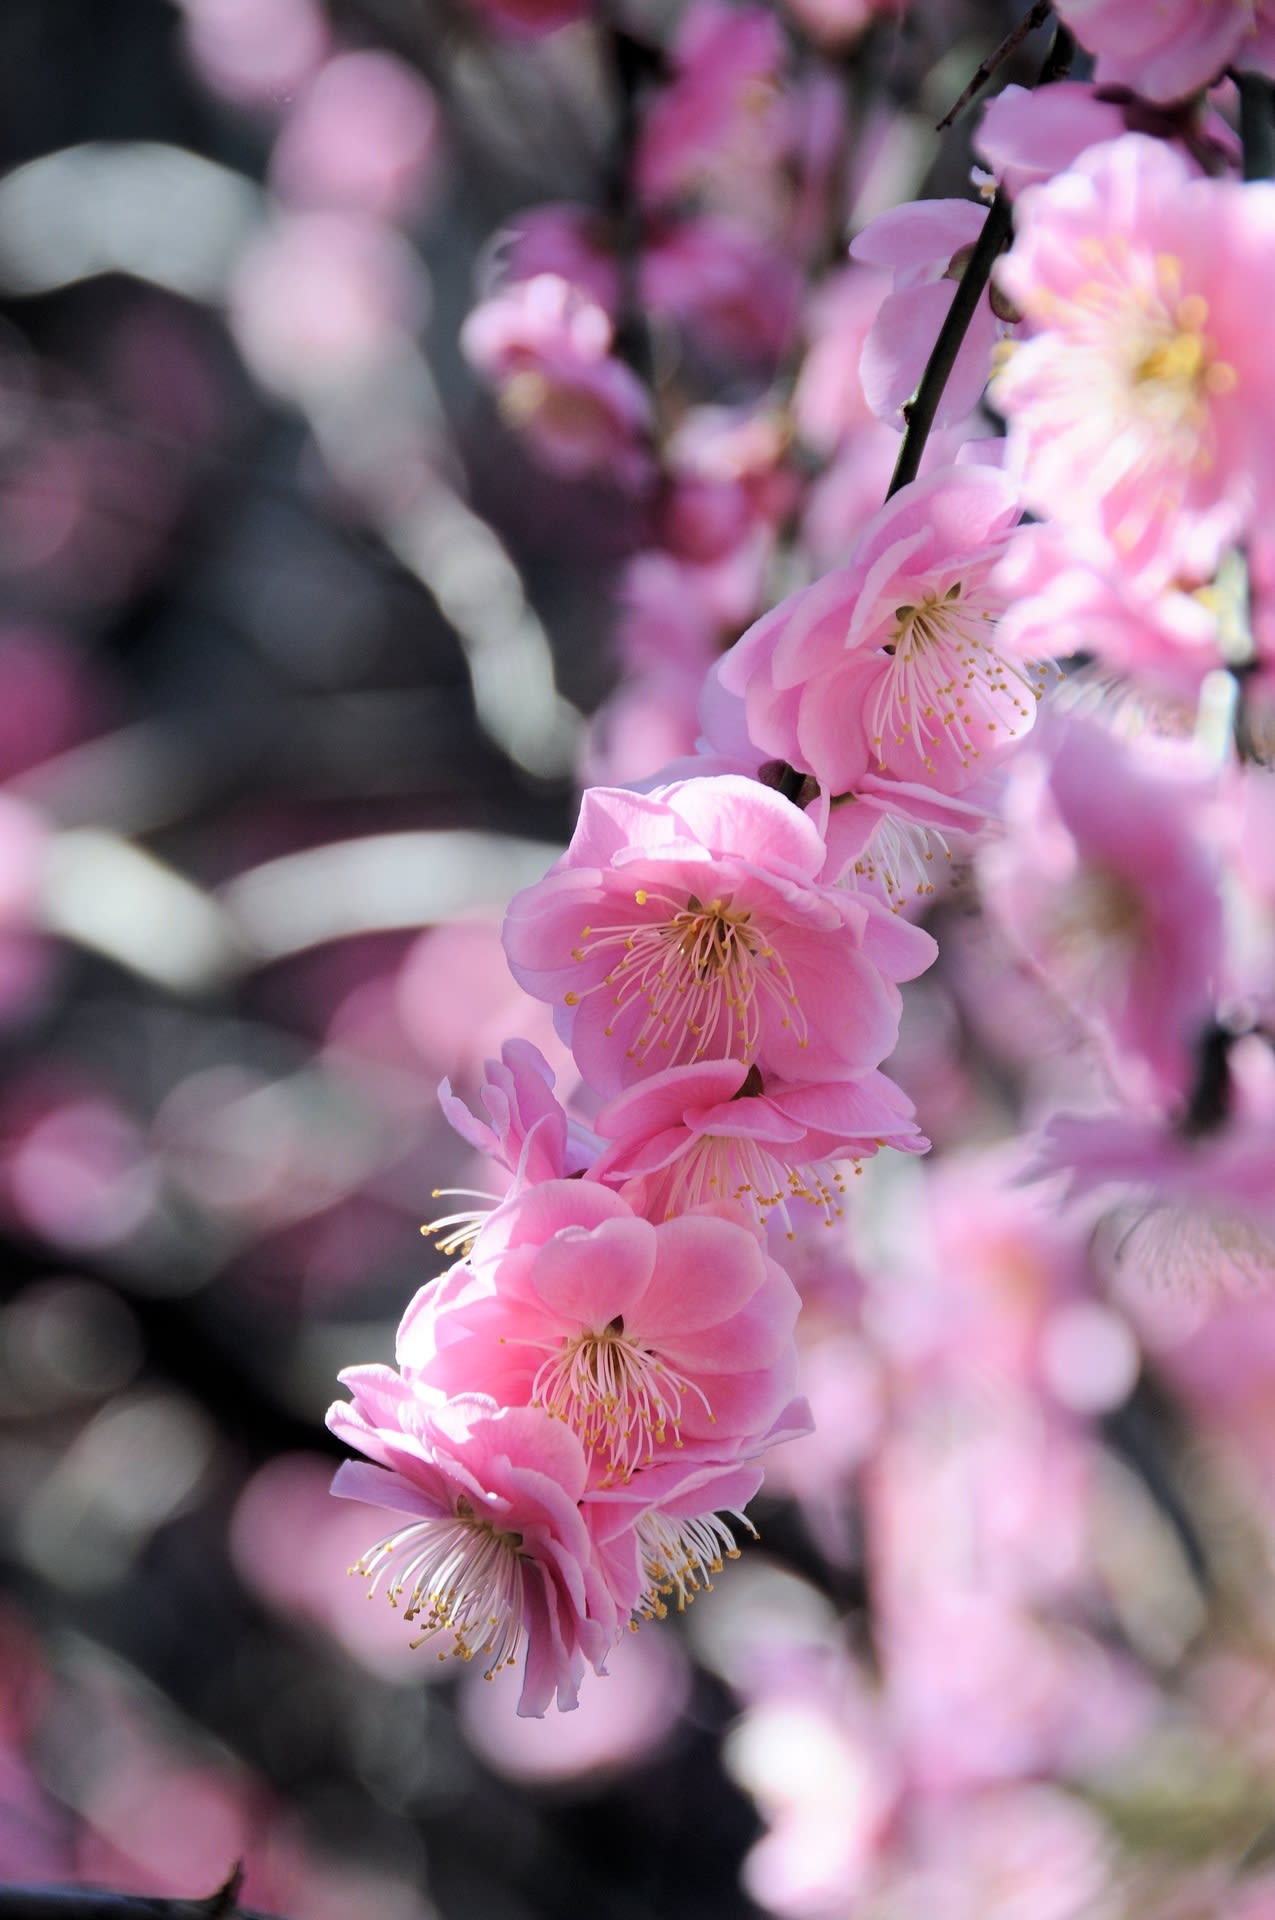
709,1134
1173,49
1137,410
1197,1205
723,111
1027,135
661,1535
888,666
530,1133
927,245
493,1552
642,1340
1106,883
546,346
690,924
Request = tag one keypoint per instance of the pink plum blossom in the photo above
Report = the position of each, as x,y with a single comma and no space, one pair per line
660,1536
1027,135
926,244
546,347
726,285
708,1134
1198,1203
643,1340
720,121
527,1130
1105,881
365,136
1137,410
690,924
888,665
1162,638
494,1552
1172,49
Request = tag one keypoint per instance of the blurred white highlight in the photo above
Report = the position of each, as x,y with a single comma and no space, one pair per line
385,881
138,207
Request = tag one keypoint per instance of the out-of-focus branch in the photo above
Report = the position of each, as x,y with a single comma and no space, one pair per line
87,1903
986,68
1257,125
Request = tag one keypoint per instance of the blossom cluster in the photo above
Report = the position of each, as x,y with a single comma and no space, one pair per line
584,1405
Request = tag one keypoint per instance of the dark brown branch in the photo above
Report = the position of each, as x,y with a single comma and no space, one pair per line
997,227
923,405
87,1903
986,68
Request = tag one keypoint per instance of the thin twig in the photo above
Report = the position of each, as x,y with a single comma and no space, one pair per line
986,68
923,405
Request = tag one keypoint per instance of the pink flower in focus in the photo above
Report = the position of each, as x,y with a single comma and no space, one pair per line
660,1536
927,245
642,1340
887,665
1138,410
689,924
529,1133
546,347
1172,49
494,1554
709,1134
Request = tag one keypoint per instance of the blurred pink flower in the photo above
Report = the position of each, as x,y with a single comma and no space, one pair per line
363,138
1173,49
722,114
1135,408
255,51
546,347
1104,880
319,299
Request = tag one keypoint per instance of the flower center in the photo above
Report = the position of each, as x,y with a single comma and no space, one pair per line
619,1399
679,1556
1172,368
704,973
946,683
463,1575
719,1166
